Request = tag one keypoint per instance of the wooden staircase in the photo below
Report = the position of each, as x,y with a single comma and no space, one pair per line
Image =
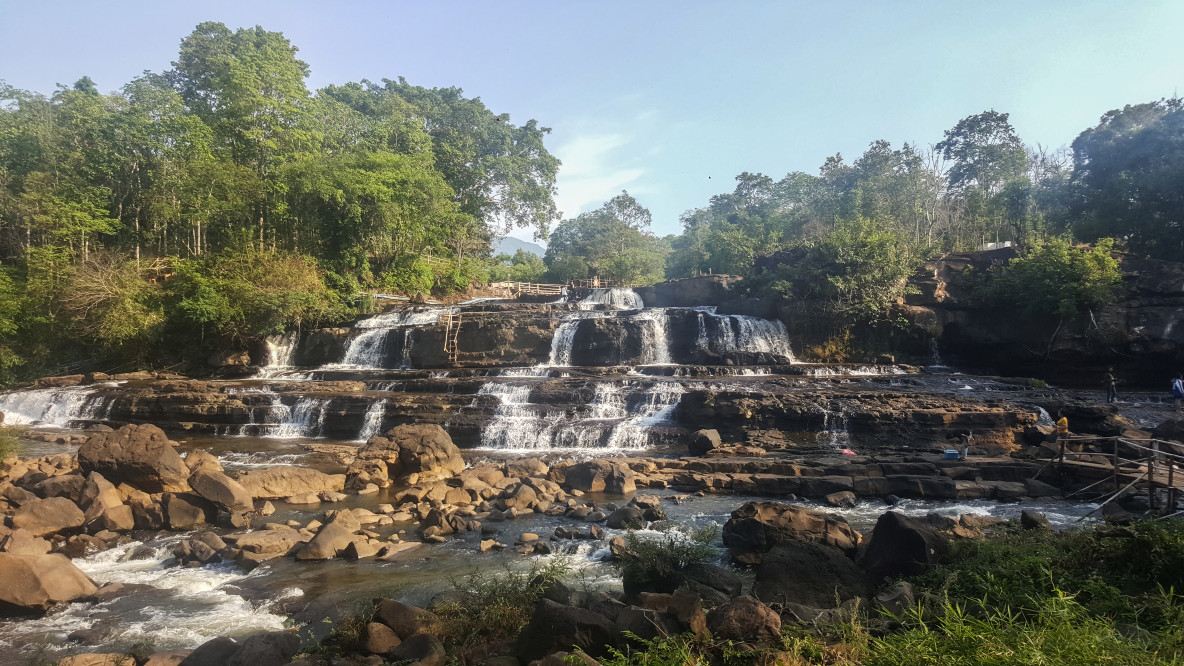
451,332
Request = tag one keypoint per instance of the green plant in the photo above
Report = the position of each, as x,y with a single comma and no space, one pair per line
486,608
9,446
657,560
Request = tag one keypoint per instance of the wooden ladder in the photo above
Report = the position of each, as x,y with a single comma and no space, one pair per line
451,331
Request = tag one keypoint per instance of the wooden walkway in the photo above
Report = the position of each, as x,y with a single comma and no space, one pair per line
1125,465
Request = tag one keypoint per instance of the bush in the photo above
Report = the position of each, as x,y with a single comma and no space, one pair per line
8,442
111,302
409,275
653,560
1054,279
486,608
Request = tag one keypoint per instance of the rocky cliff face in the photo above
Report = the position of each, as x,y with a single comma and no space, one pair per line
1140,335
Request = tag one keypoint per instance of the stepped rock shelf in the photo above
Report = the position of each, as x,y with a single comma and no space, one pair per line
177,500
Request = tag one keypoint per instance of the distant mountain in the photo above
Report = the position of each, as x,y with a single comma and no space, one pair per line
509,245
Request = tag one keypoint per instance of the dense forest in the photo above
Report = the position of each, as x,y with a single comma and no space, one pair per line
222,200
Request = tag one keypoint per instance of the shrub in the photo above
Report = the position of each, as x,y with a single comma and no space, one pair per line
1054,279
8,442
487,608
658,559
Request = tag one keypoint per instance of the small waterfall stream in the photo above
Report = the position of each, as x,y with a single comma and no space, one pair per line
54,406
368,345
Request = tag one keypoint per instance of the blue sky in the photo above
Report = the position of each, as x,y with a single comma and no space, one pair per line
671,100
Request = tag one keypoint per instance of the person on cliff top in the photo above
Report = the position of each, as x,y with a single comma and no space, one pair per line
1111,385
1178,390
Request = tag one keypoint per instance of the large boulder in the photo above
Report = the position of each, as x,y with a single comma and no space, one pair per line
272,648
287,481
140,455
555,627
185,511
223,491
34,583
744,619
810,574
595,476
425,451
330,540
48,516
704,441
404,619
756,527
900,546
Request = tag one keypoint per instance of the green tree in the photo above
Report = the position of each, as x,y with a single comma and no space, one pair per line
1056,279
1128,172
612,242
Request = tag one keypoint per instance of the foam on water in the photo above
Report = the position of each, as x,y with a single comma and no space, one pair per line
615,298
53,407
183,608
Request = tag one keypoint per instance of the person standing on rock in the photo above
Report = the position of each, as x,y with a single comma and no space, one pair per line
1062,426
1111,385
1178,390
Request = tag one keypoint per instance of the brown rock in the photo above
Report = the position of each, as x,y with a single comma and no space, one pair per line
141,455
31,583
286,481
601,476
426,451
223,491
167,658
756,527
744,619
198,460
406,620
98,659
185,511
48,516
381,639
329,541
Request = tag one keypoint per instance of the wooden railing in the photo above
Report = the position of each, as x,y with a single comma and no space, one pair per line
1152,462
517,288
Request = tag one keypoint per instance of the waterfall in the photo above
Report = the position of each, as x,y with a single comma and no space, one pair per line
367,347
281,349
724,334
53,406
561,343
619,416
655,336
834,434
306,418
372,422
616,298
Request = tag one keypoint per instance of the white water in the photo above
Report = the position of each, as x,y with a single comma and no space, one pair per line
185,607
852,370
725,334
372,421
616,298
561,343
619,416
655,336
306,418
281,350
367,348
53,407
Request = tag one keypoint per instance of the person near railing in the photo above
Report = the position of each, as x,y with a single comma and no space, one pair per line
1178,390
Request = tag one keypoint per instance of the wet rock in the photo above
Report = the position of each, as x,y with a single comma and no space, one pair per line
33,583
1116,515
273,648
756,527
426,451
1034,520
140,455
810,574
223,491
843,499
420,650
627,517
744,619
214,652
284,481
900,546
554,627
167,658
601,476
48,516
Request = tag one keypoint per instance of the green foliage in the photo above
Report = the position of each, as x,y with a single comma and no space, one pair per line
612,242
110,304
857,271
410,275
1127,171
1056,631
655,559
8,442
247,295
488,608
522,267
1054,279
11,302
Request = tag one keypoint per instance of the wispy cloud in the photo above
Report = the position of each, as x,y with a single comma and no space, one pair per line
601,159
